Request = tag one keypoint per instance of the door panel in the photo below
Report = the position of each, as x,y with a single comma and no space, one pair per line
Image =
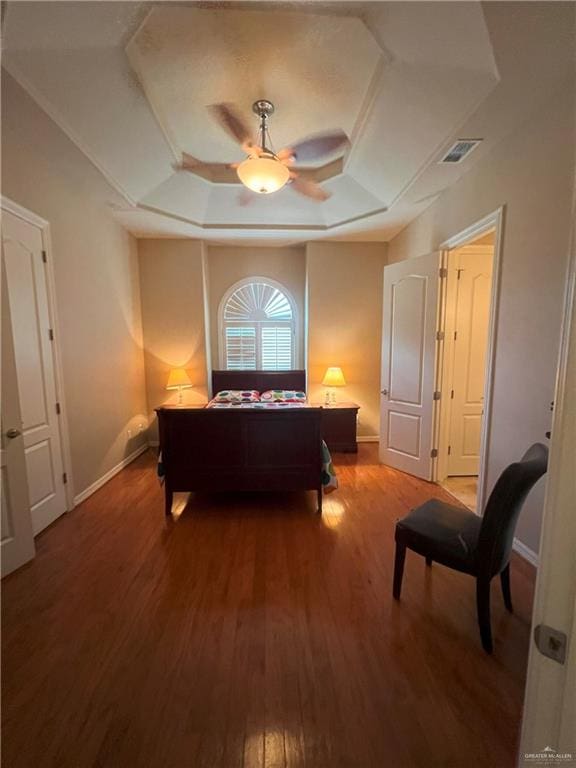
28,297
407,317
404,433
472,318
410,311
16,540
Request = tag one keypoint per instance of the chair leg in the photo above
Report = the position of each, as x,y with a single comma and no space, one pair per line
483,607
505,582
429,562
398,569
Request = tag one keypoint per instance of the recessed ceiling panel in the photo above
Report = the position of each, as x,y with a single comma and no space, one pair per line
316,69
284,208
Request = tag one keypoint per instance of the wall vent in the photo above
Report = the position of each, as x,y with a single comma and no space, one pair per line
459,150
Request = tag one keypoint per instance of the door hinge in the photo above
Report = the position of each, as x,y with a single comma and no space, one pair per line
44,257
455,335
459,271
434,453
439,335
449,450
437,395
451,394
64,478
443,272
50,334
58,408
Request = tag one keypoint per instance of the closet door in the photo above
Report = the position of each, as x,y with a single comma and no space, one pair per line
17,542
472,321
25,270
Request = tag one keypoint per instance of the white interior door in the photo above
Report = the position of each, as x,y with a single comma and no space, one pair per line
549,718
28,300
17,542
410,316
472,320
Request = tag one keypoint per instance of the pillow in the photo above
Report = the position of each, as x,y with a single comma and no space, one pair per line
237,396
283,396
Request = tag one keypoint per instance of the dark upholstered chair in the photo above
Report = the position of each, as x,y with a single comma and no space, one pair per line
480,546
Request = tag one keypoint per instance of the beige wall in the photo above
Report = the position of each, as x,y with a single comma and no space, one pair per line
171,280
532,174
227,265
345,320
344,303
97,289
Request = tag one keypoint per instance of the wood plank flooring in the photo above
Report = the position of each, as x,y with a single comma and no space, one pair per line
249,632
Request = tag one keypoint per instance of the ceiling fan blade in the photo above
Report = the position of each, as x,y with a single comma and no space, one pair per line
232,122
286,155
188,163
318,146
309,189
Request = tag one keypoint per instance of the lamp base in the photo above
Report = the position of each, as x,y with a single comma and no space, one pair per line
330,397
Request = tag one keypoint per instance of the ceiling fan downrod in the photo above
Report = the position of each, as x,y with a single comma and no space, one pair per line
263,108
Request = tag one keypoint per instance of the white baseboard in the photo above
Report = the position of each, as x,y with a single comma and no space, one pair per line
109,475
525,552
368,438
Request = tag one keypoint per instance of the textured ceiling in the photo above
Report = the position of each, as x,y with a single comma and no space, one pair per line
130,83
188,58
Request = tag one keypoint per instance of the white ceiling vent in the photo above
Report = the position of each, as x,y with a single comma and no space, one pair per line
459,150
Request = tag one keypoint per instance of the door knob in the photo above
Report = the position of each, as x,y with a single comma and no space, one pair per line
384,391
12,433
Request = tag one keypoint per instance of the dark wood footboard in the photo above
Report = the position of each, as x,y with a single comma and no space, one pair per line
240,450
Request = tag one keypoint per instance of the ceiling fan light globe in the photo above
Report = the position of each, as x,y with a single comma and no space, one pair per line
263,174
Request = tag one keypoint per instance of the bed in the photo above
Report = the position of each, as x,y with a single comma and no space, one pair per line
243,449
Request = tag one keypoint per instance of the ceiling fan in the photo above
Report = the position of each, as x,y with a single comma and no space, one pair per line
264,171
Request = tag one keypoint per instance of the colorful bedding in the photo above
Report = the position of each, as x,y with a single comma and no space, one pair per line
237,396
258,405
283,396
329,479
249,397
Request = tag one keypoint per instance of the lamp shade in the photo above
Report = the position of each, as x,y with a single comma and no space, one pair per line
334,378
178,378
263,174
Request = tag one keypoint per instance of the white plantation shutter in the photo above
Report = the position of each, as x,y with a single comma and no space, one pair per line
240,348
276,347
258,322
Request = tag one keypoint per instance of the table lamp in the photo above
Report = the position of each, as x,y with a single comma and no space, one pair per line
178,379
333,378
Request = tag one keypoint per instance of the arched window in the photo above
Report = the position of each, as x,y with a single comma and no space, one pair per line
257,321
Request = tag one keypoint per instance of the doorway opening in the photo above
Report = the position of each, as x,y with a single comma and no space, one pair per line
464,364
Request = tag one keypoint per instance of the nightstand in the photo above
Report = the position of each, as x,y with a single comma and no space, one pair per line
339,426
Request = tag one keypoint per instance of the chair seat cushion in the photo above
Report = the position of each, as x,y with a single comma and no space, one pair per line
443,532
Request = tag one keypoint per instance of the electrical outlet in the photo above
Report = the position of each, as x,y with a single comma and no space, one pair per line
140,427
129,433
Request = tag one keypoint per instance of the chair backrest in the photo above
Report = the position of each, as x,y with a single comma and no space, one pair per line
503,508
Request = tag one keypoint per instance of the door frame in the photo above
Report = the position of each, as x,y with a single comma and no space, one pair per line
493,221
44,226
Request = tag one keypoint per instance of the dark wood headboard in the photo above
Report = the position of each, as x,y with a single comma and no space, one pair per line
259,380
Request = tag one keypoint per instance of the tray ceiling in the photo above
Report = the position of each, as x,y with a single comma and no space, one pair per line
130,83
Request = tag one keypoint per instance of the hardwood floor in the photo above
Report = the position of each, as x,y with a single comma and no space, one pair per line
250,632
463,489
